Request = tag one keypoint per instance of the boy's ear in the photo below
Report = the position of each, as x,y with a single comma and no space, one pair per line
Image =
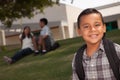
104,28
79,32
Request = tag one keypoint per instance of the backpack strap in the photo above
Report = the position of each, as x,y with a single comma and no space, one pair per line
111,54
78,63
112,57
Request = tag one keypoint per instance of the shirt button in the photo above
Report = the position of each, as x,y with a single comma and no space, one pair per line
92,65
93,77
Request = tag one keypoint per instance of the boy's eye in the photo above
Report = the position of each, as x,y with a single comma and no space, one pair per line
97,24
86,26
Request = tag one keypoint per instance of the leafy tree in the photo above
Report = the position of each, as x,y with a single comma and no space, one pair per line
11,10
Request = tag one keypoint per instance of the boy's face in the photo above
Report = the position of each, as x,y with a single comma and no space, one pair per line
91,28
41,24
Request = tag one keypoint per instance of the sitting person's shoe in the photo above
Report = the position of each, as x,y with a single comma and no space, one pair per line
36,53
7,59
44,52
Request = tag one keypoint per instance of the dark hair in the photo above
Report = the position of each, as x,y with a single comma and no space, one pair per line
44,20
87,12
23,33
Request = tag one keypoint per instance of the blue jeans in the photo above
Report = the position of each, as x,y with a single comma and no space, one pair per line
21,53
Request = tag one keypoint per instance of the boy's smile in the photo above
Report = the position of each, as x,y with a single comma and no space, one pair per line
93,36
92,28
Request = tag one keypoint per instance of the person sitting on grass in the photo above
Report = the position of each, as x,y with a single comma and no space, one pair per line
28,46
46,40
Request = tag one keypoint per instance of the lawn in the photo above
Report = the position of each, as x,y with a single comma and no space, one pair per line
55,65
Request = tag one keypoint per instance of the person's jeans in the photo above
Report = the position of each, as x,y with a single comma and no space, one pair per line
21,53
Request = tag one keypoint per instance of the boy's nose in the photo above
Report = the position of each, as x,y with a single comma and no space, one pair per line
92,28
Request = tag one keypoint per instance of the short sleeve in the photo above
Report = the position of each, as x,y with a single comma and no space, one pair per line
47,31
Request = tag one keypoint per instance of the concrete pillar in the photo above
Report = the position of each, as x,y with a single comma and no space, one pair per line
2,38
71,29
63,32
118,21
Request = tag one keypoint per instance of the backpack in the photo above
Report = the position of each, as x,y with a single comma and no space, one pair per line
55,45
111,54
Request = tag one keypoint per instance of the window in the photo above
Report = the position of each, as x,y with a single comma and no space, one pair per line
111,25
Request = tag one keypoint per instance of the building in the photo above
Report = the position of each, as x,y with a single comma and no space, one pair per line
59,16
62,21
111,14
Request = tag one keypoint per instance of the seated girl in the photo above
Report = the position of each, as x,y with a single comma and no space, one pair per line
28,46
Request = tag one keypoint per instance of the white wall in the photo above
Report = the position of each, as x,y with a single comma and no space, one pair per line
2,38
118,21
110,11
72,14
54,13
61,12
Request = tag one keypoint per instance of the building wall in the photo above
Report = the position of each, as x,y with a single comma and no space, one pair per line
56,33
61,12
2,38
72,14
111,13
108,11
118,21
12,40
66,28
54,13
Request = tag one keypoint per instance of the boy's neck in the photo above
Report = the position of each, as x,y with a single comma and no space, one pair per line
92,48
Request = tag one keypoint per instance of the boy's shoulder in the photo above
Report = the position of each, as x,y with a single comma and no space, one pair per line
117,48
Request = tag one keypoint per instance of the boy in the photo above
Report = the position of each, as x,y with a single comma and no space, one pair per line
45,38
94,63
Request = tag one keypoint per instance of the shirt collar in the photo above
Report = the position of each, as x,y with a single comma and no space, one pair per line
98,53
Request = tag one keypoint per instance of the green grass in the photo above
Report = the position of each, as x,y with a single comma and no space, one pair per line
55,65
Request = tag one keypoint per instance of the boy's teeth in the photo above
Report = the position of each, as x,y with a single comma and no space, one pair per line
93,36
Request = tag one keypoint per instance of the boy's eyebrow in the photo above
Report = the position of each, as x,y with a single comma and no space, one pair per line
88,23
98,22
85,24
